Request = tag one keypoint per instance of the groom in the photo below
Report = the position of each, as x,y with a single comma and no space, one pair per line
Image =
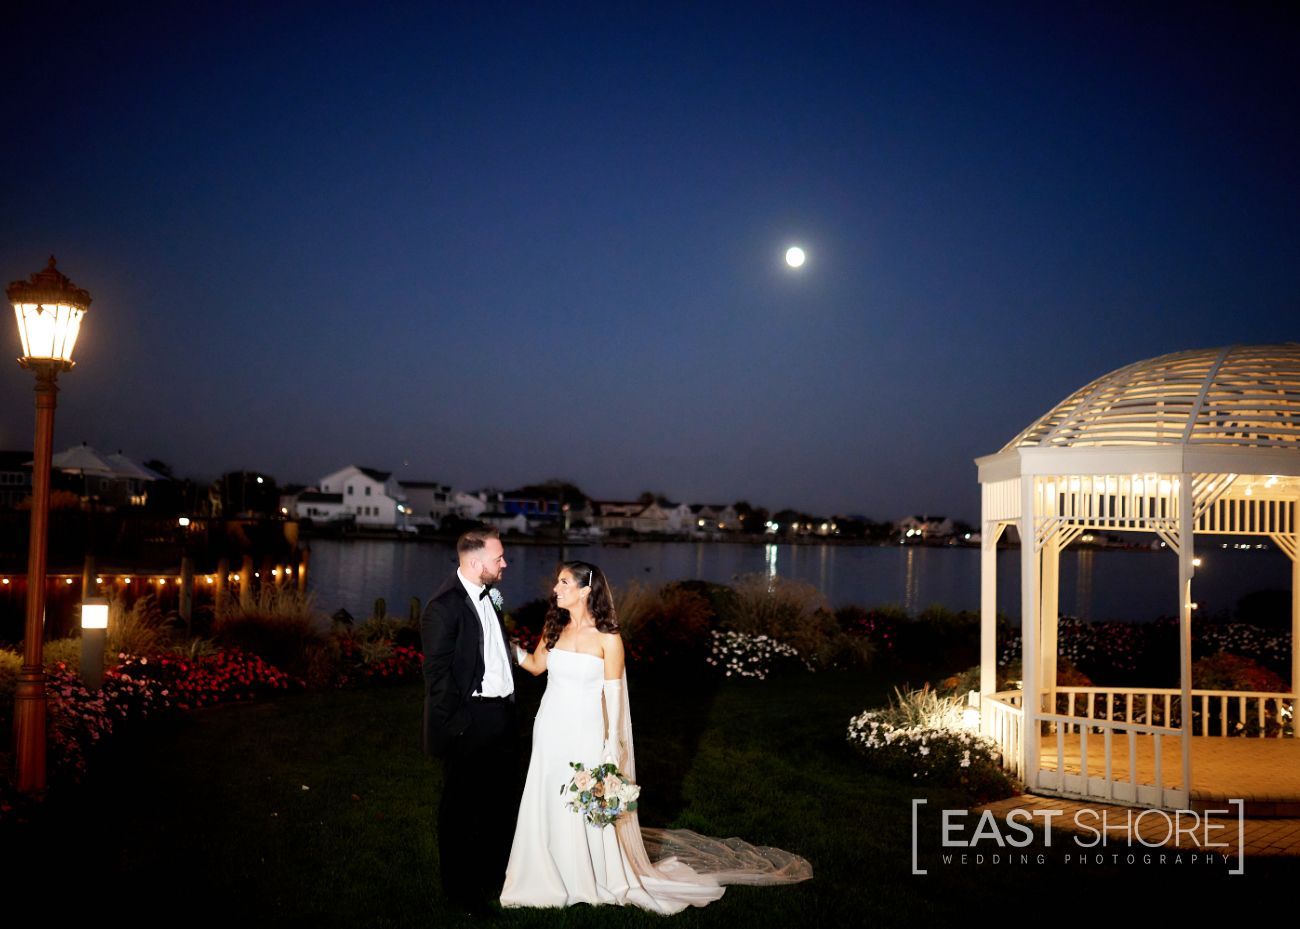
469,722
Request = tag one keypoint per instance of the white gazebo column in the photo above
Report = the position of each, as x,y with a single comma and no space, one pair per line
1029,620
989,606
1294,552
1295,640
1050,561
1186,551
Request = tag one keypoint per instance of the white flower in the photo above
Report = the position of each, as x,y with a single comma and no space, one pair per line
497,600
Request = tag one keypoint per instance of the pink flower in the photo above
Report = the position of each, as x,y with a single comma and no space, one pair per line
583,780
611,784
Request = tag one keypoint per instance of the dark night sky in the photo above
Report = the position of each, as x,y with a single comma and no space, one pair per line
488,244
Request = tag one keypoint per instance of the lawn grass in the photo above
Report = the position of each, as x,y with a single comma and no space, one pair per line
319,809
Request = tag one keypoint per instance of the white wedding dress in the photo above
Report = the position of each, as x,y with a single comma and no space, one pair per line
557,859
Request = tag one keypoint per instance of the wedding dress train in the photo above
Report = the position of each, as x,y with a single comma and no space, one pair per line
557,859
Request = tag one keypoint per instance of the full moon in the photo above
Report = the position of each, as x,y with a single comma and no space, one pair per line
795,257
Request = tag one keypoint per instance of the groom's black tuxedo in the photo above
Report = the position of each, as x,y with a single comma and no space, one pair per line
452,636
476,739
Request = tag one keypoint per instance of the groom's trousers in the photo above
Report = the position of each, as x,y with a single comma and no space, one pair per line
480,801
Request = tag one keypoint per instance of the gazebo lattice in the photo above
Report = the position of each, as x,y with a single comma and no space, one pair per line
1195,442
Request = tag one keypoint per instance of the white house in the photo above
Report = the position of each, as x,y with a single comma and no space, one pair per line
427,501
373,498
468,505
634,516
711,517
505,522
924,527
680,517
314,505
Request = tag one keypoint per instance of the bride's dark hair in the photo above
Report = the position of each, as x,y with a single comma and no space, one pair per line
600,602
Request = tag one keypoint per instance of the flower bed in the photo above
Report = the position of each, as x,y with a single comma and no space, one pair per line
738,654
958,758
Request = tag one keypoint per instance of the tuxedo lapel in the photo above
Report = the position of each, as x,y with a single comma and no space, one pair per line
476,624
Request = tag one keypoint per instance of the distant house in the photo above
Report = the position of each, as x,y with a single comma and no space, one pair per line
428,501
924,527
373,498
317,506
633,516
533,506
505,522
680,517
15,478
714,517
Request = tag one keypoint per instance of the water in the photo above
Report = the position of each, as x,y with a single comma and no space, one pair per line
1095,584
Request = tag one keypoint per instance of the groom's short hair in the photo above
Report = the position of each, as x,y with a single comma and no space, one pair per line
475,539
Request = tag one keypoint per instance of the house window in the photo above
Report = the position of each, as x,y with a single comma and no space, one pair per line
367,491
349,490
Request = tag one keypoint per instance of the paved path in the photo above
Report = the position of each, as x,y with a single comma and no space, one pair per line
1279,837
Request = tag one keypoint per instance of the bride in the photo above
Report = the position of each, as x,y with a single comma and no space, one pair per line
557,859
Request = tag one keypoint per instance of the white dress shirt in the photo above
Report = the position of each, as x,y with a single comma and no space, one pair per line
497,678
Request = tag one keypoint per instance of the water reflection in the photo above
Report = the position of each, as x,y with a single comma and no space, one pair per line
911,579
1083,584
1105,584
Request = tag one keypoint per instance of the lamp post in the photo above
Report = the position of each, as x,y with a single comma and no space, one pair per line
49,310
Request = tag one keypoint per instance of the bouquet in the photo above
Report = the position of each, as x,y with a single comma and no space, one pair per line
600,794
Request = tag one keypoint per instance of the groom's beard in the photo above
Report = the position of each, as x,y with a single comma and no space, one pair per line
486,577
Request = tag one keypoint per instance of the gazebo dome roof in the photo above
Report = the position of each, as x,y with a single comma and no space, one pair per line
1243,396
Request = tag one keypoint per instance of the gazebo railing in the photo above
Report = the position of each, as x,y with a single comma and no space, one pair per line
1002,719
1253,714
1124,778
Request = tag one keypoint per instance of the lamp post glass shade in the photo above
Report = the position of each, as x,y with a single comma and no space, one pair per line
94,613
49,309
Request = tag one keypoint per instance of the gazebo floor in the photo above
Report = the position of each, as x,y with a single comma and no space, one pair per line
1263,772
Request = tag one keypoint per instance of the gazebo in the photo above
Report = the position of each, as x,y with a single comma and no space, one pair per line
1193,443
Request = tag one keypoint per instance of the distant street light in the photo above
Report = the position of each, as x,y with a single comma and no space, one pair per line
49,310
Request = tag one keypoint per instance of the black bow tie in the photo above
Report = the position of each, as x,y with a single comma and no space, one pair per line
484,592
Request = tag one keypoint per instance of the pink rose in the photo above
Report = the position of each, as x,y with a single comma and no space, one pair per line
583,780
612,784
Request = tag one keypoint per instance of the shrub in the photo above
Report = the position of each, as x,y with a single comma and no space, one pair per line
960,684
925,709
738,654
388,628
1226,671
931,750
210,678
665,624
141,630
378,660
1067,675
798,615
283,628
1270,647
11,665
64,652
878,626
